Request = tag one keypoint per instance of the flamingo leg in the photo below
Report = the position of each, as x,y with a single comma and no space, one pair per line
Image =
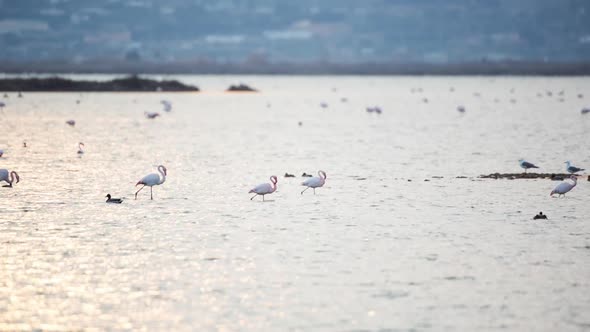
263,198
304,190
253,197
314,191
152,193
137,192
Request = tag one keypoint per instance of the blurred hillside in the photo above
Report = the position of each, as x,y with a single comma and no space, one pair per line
258,32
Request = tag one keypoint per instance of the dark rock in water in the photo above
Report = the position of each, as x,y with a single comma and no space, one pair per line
287,175
241,87
461,177
426,180
540,216
128,84
438,177
512,176
585,111
305,175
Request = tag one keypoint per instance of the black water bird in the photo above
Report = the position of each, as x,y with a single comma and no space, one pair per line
540,216
113,200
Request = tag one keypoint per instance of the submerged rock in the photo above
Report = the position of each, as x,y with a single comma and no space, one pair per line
241,87
512,176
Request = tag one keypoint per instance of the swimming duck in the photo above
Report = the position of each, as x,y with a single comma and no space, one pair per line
113,200
287,175
305,175
540,216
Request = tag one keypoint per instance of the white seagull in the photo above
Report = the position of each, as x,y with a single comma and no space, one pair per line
265,188
572,169
564,187
314,182
167,105
4,176
526,165
152,180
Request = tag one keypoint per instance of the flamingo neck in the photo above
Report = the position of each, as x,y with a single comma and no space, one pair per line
13,175
162,173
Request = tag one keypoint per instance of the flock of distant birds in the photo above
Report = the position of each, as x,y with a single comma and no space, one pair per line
155,179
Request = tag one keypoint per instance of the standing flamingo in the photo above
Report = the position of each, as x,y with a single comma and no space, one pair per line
564,187
265,188
4,177
152,180
315,182
80,145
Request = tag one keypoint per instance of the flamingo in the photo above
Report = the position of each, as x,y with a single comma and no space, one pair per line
526,165
152,180
71,122
80,145
564,187
4,177
572,169
315,182
265,188
151,115
1,152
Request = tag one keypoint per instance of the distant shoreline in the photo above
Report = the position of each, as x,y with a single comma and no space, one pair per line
200,67
60,84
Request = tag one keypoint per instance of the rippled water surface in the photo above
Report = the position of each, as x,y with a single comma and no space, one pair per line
378,248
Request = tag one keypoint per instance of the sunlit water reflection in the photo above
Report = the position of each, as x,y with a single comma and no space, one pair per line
377,248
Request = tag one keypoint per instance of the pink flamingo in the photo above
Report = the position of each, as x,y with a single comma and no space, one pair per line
4,177
314,182
265,188
152,180
564,187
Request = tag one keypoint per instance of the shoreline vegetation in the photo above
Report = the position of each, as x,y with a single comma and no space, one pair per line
261,67
59,84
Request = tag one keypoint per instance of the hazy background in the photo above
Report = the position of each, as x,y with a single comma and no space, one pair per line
260,33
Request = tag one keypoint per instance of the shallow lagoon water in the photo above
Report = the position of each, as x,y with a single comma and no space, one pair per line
378,248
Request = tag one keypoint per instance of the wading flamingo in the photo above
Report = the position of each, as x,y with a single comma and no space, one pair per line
564,187
265,188
4,176
314,182
152,180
